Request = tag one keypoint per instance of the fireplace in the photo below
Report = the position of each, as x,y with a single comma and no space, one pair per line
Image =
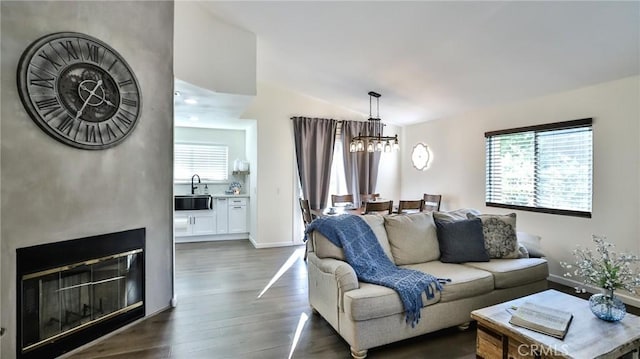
72,292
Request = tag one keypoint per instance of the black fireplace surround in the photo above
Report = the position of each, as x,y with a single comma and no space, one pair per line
72,292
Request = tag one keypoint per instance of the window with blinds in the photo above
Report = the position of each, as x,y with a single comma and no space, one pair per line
546,168
210,162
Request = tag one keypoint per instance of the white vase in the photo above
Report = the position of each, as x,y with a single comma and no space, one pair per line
244,166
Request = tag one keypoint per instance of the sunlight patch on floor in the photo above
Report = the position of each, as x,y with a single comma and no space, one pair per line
299,253
303,320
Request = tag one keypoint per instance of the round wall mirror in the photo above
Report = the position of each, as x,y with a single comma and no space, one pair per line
421,157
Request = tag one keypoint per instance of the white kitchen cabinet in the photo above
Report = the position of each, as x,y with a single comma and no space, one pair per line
182,223
227,220
194,223
237,215
203,223
222,215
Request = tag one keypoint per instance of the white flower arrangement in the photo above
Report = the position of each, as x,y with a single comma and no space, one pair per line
608,269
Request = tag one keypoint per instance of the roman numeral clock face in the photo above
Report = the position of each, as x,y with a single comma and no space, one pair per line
79,90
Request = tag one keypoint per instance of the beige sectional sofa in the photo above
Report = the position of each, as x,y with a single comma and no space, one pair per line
368,315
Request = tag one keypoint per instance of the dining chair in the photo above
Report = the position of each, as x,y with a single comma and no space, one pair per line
307,217
432,202
341,198
372,207
418,205
364,198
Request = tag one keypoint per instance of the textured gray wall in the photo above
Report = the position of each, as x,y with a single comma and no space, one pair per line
51,192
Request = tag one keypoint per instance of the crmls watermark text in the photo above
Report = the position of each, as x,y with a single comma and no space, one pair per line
535,350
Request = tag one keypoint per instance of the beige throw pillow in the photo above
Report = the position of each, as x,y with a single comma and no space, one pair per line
325,249
376,222
499,231
532,243
412,237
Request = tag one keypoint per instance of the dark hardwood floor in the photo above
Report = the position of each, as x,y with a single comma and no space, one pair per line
219,314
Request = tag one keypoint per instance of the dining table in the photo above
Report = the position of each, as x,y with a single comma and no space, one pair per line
334,211
337,210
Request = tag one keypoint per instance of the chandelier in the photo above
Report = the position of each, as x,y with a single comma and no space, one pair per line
375,142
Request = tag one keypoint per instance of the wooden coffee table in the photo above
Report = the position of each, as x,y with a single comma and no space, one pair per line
588,336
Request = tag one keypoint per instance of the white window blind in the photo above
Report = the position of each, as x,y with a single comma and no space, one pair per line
546,168
210,162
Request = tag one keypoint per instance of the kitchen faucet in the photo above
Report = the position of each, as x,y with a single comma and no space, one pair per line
193,188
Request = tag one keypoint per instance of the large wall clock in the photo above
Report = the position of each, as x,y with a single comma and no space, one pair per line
79,90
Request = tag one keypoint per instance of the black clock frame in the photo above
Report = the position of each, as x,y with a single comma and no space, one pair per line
79,90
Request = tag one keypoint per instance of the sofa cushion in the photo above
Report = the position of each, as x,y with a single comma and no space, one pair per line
375,301
461,241
455,215
465,281
325,249
508,273
412,238
499,234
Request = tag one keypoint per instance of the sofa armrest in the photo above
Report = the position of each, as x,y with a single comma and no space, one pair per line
329,279
343,273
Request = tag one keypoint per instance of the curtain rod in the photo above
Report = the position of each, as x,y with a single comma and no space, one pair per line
314,118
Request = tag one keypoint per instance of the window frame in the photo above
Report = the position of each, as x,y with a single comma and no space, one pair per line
585,122
203,178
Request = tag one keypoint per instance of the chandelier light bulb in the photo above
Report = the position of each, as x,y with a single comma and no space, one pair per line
387,147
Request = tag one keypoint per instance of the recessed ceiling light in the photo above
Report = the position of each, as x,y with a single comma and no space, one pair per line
177,93
191,101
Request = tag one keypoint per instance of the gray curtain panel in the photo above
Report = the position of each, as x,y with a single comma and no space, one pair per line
314,140
361,168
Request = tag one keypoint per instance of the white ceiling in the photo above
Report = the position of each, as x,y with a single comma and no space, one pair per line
433,60
198,107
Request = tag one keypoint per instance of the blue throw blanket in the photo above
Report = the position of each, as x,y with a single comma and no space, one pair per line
364,253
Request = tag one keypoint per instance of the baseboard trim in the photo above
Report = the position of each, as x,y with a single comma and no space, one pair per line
271,245
213,237
626,298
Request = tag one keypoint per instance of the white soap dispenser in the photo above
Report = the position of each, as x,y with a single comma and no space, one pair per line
206,189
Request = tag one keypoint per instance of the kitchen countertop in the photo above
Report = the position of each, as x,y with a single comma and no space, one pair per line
218,195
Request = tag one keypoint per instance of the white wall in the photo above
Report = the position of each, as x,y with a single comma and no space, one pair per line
273,108
235,139
53,192
459,164
389,172
211,53
252,190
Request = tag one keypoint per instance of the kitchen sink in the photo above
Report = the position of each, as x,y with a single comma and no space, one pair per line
192,202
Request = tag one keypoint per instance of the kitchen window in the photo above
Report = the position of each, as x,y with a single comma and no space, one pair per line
210,162
545,168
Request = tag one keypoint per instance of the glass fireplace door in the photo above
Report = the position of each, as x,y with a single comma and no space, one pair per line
62,300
